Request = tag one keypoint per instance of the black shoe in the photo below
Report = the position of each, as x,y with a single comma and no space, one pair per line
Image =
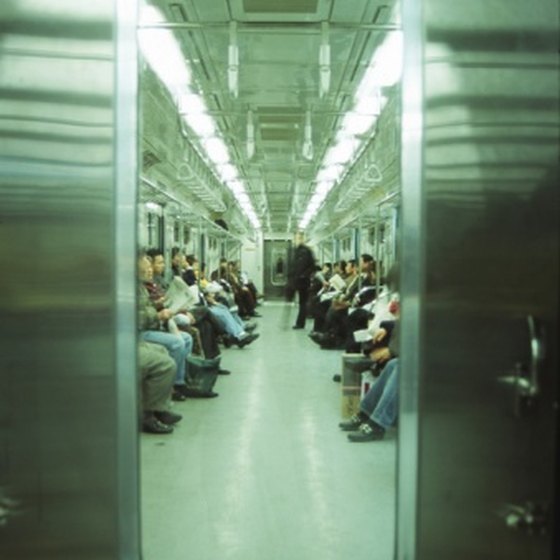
190,393
223,371
250,327
352,424
178,396
367,432
227,341
246,340
151,425
297,327
198,394
319,337
337,378
167,417
255,314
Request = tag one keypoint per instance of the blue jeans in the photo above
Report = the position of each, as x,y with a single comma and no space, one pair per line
232,323
381,402
178,350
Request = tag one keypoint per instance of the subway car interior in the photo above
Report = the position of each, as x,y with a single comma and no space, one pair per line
283,280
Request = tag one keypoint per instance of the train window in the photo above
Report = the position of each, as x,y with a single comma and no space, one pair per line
176,236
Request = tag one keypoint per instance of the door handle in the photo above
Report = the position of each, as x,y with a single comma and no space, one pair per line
524,379
537,354
531,518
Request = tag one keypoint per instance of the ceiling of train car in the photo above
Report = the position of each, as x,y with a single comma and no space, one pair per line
279,46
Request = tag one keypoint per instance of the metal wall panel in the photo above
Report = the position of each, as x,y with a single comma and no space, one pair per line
480,206
67,182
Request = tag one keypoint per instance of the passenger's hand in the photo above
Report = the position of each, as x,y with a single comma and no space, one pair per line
380,355
164,314
379,335
191,317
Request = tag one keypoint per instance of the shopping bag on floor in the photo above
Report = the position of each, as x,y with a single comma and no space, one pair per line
202,373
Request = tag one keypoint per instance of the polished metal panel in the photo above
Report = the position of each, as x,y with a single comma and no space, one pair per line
125,243
411,284
67,420
484,285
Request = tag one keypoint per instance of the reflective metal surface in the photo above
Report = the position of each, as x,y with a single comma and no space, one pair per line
67,421
486,215
411,280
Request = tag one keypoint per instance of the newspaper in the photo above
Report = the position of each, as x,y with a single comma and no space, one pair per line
179,296
337,282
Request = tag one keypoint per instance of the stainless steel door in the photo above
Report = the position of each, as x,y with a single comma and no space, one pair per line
68,425
480,280
276,257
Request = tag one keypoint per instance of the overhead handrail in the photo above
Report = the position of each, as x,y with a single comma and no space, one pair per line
181,203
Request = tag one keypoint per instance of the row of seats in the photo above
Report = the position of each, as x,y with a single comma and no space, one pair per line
185,319
348,314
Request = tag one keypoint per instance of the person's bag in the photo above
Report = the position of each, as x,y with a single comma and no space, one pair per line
202,372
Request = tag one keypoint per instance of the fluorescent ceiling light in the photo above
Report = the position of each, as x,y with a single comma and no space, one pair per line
342,152
368,104
227,172
163,53
243,199
236,187
331,173
355,124
389,59
216,149
324,187
192,104
202,125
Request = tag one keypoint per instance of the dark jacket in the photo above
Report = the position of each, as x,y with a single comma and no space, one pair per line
303,265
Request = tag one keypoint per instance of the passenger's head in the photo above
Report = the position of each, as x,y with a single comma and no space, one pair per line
158,261
299,238
366,263
339,267
145,271
351,267
192,261
176,256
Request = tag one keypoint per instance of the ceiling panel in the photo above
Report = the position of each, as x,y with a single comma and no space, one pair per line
279,43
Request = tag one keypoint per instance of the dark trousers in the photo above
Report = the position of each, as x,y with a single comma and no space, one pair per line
302,288
357,320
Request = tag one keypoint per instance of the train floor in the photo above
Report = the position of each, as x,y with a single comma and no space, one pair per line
263,472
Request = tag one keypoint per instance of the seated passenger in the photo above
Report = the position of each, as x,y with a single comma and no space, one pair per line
151,323
178,262
192,316
233,325
243,295
336,329
157,373
189,274
379,407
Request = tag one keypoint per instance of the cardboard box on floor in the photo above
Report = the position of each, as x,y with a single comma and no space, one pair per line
351,384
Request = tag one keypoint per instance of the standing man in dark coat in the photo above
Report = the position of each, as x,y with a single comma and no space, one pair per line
303,267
